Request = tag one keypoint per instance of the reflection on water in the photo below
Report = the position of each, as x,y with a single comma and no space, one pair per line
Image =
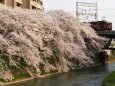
89,77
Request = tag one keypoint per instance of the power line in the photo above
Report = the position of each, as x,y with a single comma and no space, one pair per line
108,9
98,10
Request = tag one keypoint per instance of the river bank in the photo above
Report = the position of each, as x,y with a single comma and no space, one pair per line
17,81
43,76
26,79
47,75
109,80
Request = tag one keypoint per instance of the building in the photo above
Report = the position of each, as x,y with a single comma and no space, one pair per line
33,4
27,4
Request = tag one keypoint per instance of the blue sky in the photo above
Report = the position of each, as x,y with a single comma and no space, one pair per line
106,7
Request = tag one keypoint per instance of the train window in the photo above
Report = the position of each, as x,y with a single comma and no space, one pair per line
107,25
101,26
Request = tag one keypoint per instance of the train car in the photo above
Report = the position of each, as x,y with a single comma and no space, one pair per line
101,25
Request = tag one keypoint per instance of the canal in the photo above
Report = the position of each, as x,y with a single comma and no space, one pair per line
86,77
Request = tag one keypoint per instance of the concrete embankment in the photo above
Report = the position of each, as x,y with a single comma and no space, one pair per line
26,79
13,82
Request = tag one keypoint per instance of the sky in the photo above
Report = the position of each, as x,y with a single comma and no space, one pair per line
106,8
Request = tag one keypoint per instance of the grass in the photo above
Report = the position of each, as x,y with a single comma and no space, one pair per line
1,80
110,80
21,76
18,77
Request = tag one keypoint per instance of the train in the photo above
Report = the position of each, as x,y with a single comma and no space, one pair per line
101,25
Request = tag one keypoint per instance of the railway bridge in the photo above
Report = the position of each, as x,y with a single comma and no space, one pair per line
107,34
111,36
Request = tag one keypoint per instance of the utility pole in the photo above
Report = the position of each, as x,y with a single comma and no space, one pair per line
77,11
96,15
